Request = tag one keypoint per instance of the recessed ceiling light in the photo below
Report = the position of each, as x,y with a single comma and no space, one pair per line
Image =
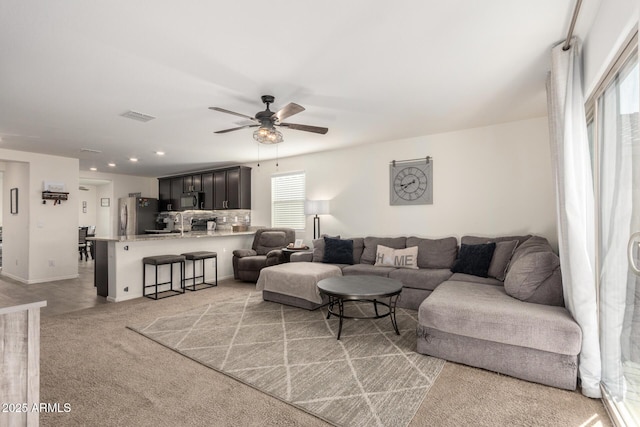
160,153
133,159
112,165
93,169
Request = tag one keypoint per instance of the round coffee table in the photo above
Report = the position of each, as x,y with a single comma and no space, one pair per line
361,288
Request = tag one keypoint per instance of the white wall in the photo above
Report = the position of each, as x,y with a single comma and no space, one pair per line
88,216
613,22
16,231
42,240
490,181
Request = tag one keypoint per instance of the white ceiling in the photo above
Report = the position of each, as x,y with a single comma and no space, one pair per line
369,70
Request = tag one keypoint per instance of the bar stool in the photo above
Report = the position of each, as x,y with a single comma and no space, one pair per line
200,256
156,261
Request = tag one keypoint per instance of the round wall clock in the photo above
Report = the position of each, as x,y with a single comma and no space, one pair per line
410,183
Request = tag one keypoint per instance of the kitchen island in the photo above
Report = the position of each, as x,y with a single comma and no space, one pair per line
118,259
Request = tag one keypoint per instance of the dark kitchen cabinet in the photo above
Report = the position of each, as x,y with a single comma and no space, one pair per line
232,188
192,183
164,193
176,193
169,193
228,188
207,189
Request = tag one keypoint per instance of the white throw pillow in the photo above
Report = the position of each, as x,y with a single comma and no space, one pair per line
399,258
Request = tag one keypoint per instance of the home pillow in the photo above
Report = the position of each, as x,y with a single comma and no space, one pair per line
399,258
337,251
474,259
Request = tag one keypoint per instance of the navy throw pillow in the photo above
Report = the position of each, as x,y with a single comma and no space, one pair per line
338,251
474,259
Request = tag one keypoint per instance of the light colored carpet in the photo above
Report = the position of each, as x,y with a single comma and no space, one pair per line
371,377
113,376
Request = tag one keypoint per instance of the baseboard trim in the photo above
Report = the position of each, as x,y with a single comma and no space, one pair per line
128,297
32,282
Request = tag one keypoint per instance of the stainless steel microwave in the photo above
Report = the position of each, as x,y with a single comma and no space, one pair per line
192,201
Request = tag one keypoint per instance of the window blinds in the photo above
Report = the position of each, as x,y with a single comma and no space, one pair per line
287,200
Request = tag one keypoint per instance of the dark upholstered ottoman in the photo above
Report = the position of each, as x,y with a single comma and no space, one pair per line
295,283
480,325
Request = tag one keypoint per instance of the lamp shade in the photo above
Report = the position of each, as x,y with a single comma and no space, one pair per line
316,207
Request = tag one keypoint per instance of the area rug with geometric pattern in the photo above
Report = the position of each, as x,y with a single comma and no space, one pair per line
371,376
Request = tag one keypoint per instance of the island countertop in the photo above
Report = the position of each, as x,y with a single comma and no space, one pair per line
174,236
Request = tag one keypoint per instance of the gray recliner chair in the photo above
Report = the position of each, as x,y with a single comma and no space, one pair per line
265,251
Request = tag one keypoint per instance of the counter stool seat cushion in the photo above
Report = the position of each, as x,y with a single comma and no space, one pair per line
198,255
296,279
163,259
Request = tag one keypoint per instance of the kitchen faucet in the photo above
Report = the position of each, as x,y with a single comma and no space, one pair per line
181,223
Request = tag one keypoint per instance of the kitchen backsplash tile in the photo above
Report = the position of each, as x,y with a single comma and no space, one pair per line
224,219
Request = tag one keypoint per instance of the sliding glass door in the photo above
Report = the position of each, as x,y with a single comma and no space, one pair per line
616,142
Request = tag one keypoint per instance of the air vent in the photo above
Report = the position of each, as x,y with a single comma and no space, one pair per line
90,150
141,117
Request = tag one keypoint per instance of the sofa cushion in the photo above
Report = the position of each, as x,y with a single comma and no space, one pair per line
435,253
488,313
503,253
534,274
269,240
461,277
399,258
476,240
474,259
367,270
338,251
318,249
424,278
501,258
371,247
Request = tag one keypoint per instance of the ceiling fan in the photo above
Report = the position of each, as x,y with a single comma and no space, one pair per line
267,120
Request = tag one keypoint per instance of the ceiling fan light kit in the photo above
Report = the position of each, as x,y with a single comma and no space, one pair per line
267,120
266,135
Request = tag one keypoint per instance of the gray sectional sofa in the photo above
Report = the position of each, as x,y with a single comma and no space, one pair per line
512,321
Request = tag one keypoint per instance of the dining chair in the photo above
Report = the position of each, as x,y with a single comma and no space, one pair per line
82,242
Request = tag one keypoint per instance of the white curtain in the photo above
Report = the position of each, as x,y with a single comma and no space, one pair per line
575,207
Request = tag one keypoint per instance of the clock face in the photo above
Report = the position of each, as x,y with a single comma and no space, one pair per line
410,183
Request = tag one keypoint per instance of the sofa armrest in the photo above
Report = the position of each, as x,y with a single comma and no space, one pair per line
241,253
274,257
302,257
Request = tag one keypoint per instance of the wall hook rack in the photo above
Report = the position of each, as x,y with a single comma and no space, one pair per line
56,196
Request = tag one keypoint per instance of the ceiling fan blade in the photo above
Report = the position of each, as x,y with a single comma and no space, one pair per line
288,110
306,128
238,128
222,110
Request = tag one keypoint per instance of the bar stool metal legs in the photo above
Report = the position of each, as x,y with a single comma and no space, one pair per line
200,256
157,261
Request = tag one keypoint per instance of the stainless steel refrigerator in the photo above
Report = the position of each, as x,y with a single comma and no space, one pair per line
137,214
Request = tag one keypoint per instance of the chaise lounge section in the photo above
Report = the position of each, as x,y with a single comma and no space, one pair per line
507,317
